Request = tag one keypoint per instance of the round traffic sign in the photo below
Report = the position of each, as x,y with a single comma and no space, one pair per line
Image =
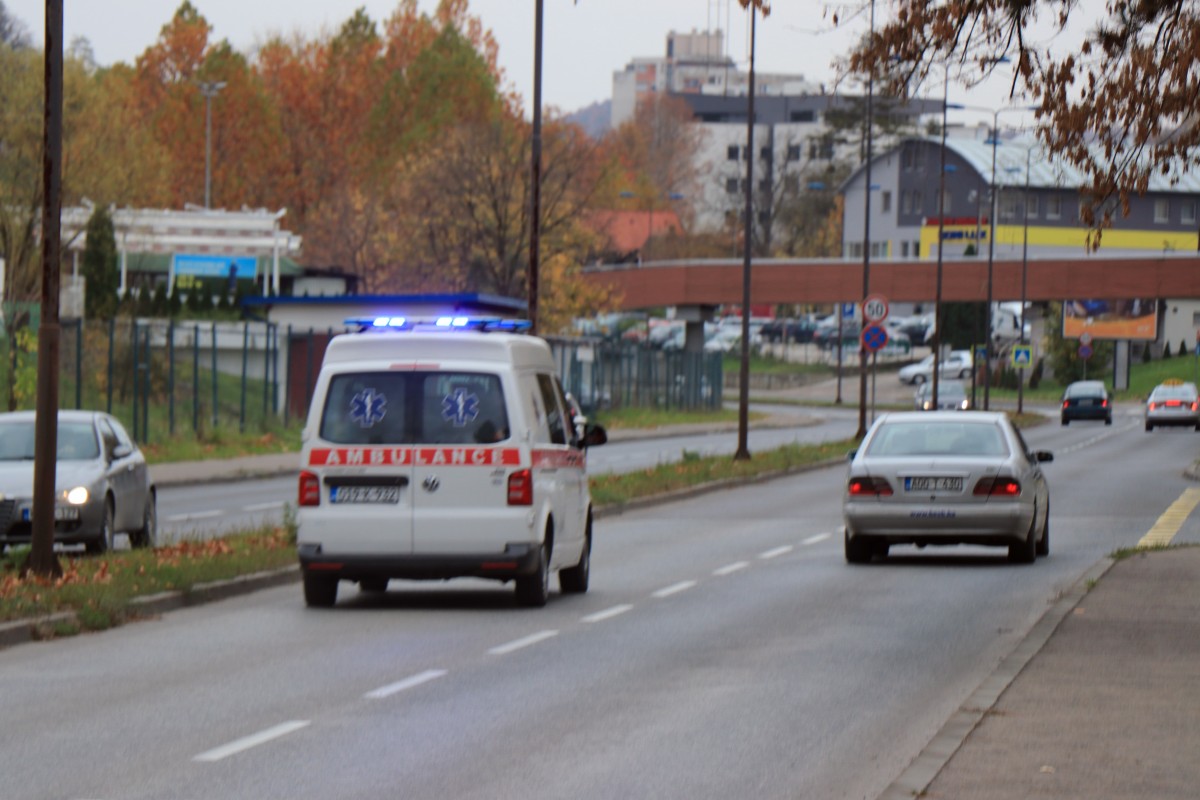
1085,338
875,308
874,337
1085,351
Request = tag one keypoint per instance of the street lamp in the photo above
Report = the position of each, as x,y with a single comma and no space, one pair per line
937,301
743,446
1024,271
209,89
862,347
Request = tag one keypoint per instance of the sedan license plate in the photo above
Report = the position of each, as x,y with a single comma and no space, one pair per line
933,484
364,494
61,514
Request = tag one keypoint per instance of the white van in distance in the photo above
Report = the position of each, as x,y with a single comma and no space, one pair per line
443,449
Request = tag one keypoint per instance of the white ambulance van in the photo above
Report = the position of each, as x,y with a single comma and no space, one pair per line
443,449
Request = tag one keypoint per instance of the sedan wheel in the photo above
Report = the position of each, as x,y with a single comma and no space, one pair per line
147,536
858,549
1025,551
1043,545
104,540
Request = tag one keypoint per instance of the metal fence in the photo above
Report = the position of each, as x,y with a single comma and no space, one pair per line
608,375
164,378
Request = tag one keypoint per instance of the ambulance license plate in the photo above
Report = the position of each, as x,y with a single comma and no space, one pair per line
364,494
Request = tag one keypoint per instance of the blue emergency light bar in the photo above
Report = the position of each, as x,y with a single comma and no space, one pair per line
460,323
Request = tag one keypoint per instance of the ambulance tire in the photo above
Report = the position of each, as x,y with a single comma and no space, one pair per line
320,592
574,580
534,590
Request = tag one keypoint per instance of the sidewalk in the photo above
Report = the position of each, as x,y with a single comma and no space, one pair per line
1101,700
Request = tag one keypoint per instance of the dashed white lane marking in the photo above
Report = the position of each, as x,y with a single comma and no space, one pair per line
262,737
264,506
408,683
778,551
820,537
517,644
729,569
197,515
682,586
608,613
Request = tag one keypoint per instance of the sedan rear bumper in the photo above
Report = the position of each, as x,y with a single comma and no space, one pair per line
977,523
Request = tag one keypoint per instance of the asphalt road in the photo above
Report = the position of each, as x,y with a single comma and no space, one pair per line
725,649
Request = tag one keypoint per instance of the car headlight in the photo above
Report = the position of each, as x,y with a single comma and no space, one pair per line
77,496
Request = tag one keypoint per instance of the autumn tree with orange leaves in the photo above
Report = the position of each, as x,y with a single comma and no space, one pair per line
1121,102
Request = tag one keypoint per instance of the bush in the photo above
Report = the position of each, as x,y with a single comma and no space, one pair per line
1166,350
1035,376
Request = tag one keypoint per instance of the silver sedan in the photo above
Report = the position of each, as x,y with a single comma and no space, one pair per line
102,483
945,477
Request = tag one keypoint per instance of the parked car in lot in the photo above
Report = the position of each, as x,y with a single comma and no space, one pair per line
1086,400
955,364
826,335
1173,402
102,484
952,396
796,331
943,477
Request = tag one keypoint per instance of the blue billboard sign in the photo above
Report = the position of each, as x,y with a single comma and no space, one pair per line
215,266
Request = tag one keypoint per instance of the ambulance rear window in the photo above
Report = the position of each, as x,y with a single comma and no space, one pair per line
415,408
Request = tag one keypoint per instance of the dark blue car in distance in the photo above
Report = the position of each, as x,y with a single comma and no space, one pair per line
1086,400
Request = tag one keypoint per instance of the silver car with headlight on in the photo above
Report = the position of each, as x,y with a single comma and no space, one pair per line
946,477
102,482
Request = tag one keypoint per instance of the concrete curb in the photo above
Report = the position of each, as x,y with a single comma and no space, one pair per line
29,630
917,777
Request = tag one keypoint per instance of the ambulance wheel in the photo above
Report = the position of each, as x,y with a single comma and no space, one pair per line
574,580
534,590
320,592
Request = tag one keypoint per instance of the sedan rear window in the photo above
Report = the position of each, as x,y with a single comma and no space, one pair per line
943,438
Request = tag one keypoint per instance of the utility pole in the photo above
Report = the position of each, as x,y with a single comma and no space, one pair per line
535,189
42,560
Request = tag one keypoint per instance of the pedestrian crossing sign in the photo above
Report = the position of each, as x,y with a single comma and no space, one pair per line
1022,356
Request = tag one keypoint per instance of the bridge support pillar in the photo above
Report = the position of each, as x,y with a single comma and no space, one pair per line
695,317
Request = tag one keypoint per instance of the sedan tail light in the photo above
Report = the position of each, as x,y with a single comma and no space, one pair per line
996,486
310,489
868,487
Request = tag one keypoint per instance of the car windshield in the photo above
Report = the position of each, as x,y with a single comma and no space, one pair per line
937,438
76,441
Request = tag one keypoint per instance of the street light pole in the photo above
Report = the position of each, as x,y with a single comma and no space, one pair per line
209,89
937,302
987,328
1024,271
743,447
862,347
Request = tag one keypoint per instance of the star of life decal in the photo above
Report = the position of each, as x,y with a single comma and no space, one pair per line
368,407
460,407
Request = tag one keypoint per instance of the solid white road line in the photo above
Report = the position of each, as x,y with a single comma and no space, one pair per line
820,537
504,649
407,683
682,586
778,551
264,506
600,616
253,740
730,568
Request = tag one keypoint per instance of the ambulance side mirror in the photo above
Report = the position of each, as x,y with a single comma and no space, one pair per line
593,435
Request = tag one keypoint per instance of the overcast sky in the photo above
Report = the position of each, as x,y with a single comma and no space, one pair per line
585,41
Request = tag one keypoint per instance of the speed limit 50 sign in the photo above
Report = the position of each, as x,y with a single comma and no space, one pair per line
875,308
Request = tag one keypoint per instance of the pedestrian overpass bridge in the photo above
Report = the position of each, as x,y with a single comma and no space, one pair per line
702,284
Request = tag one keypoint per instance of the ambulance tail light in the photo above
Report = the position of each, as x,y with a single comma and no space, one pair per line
310,489
520,488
